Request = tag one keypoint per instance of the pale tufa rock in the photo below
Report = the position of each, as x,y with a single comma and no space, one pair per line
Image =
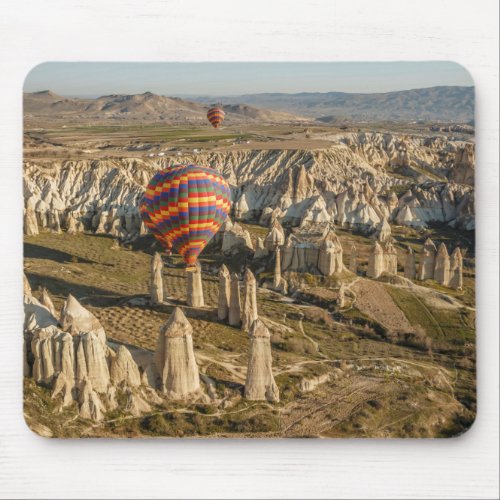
176,368
74,318
260,384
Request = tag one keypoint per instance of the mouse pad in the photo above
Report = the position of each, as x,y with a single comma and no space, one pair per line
250,250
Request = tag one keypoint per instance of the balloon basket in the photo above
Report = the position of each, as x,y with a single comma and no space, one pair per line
191,269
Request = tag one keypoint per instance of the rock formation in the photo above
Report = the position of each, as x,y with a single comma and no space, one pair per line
36,315
275,237
224,293
390,258
463,171
313,251
91,407
30,223
236,238
136,405
260,249
234,317
156,279
427,260
330,256
195,288
442,266
345,184
341,296
124,369
383,231
249,310
410,269
376,261
260,384
353,260
456,264
71,225
26,285
277,269
75,318
176,368
53,353
91,362
46,301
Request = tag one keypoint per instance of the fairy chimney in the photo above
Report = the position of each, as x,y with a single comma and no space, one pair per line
275,237
46,301
341,296
277,268
195,288
234,317
124,369
176,369
376,261
427,260
75,318
383,231
224,293
156,279
456,265
249,309
91,362
390,258
30,223
442,266
260,384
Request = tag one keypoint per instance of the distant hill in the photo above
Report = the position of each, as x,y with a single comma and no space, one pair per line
146,107
450,103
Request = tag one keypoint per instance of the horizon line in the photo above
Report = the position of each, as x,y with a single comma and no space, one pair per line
97,96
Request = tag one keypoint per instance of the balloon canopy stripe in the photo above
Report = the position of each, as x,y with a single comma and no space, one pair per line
184,206
216,116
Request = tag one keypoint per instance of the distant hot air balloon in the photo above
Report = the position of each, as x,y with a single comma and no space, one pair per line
216,115
184,206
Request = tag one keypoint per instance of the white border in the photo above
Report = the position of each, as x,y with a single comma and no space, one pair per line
32,32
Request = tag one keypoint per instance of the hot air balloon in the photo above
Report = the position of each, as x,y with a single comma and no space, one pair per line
216,115
184,206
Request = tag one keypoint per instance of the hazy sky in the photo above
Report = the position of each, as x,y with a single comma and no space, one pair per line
183,79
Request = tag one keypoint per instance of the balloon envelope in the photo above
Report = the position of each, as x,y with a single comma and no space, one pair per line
216,116
184,206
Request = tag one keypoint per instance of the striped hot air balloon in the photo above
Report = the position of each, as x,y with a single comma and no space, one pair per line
215,116
184,206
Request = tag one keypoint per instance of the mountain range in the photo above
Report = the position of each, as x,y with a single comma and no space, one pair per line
146,107
444,104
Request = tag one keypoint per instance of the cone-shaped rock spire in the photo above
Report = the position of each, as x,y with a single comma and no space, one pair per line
456,265
235,302
375,261
176,368
75,319
195,287
249,311
224,293
156,279
260,384
442,266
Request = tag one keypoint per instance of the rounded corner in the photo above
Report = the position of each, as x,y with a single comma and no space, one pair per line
465,70
464,431
37,431
27,75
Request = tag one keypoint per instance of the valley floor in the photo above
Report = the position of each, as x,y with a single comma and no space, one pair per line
402,365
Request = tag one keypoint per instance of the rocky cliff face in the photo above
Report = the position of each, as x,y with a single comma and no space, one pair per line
351,182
